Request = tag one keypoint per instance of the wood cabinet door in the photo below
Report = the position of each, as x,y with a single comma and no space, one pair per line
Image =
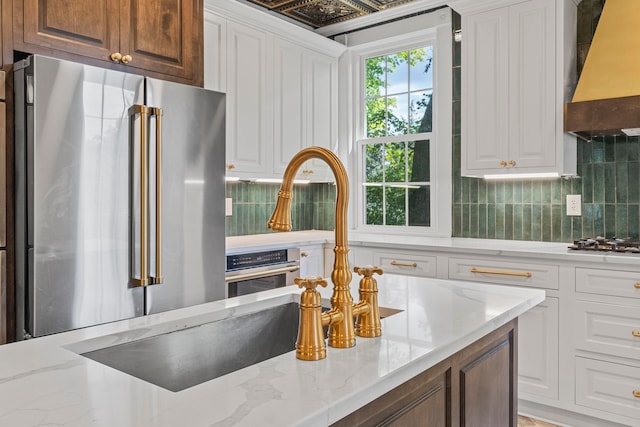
488,388
162,35
88,28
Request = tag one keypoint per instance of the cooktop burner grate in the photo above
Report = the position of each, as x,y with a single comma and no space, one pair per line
603,244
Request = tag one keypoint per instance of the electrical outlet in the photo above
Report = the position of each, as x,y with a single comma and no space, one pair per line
228,209
574,204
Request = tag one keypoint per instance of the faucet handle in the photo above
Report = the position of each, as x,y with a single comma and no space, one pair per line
368,270
310,282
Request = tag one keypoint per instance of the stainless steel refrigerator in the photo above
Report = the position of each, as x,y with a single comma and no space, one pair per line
119,195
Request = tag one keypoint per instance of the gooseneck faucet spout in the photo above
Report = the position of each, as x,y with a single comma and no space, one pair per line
340,318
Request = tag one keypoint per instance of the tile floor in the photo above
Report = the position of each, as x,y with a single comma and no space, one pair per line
532,422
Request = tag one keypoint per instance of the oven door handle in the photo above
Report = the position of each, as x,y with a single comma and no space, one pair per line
264,273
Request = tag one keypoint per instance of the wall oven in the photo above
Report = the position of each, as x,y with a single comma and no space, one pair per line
260,271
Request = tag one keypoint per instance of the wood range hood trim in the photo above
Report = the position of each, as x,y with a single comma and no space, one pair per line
606,101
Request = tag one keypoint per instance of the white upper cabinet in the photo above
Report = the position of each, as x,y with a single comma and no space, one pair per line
516,64
281,86
305,90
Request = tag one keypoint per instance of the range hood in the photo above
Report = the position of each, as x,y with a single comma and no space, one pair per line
607,98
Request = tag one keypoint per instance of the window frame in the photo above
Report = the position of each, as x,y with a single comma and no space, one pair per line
436,31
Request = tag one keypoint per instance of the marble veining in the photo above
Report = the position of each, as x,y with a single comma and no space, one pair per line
45,381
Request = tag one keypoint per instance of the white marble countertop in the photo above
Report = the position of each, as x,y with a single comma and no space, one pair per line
45,381
461,246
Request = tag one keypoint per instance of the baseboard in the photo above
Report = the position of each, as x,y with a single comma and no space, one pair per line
563,417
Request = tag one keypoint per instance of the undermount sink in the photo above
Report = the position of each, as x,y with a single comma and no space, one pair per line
184,358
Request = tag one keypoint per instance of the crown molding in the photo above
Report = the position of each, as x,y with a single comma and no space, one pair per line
260,18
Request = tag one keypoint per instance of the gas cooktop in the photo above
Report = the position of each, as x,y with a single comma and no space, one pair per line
604,244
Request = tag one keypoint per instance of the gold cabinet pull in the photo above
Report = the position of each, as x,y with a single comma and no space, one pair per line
230,166
503,163
304,254
308,172
501,272
637,285
511,163
635,333
404,264
636,393
126,59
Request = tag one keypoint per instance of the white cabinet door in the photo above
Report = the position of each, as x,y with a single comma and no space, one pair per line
249,119
322,113
538,350
484,85
532,85
215,53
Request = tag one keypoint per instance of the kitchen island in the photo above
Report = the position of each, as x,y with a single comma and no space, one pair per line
46,381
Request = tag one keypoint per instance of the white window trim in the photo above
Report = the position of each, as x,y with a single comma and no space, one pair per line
433,28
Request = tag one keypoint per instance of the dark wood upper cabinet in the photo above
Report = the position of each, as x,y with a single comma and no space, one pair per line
162,37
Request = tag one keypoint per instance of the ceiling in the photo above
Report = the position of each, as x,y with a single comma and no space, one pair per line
320,13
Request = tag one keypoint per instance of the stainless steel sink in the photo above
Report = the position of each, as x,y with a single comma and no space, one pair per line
182,359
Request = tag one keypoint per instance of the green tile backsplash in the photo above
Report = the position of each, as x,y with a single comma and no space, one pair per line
608,180
312,207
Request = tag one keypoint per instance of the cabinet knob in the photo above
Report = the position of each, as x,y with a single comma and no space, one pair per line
230,166
304,254
118,57
511,163
636,393
307,172
635,333
637,285
503,163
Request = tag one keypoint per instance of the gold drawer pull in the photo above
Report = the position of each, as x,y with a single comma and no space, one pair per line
636,393
635,333
637,285
501,272
404,264
304,254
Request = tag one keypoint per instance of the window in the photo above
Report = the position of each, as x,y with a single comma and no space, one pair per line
402,161
399,91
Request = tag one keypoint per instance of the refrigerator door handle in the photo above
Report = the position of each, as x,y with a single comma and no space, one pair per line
144,196
158,274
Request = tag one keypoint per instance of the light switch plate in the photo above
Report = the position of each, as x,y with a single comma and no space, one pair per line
228,207
574,204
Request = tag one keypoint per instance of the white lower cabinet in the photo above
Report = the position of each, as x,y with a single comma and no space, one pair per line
606,331
538,328
609,387
578,350
538,333
312,261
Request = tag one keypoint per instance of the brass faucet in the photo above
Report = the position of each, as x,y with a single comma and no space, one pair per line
340,318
